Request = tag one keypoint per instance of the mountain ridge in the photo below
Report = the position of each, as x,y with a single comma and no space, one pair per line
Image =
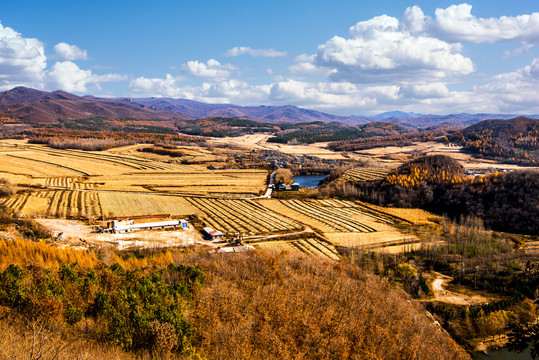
34,106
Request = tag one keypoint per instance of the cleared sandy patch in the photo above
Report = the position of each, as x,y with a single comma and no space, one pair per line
77,234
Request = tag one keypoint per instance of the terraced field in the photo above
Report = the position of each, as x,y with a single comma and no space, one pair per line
242,216
365,174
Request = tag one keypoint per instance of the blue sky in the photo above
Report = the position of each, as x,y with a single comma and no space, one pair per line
344,57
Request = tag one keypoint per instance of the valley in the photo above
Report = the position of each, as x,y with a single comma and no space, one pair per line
387,207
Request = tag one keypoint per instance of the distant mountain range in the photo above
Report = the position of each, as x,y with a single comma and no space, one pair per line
35,106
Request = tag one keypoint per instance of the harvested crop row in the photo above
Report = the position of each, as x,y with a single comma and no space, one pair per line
55,203
338,220
65,182
242,216
224,217
317,247
349,207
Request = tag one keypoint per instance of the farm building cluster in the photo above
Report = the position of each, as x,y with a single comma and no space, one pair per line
123,226
277,159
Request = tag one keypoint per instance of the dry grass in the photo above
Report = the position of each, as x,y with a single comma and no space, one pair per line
258,306
20,337
15,250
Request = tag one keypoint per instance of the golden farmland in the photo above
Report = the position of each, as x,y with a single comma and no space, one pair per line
125,182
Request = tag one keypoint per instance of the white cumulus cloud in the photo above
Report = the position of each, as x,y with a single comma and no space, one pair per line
457,24
424,91
170,86
67,76
70,52
380,50
246,50
22,60
209,69
219,91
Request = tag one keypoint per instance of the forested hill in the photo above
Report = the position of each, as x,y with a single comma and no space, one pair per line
504,201
514,141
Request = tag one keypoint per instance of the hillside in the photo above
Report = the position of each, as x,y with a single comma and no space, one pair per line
514,141
335,131
504,202
185,305
33,106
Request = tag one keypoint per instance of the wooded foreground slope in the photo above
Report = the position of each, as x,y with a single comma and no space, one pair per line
248,306
259,306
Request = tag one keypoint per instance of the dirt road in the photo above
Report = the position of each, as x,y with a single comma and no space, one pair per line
452,297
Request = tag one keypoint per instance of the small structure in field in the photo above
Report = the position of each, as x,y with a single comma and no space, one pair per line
121,226
295,186
212,234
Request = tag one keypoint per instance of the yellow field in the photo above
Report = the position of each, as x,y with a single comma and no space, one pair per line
55,203
251,182
125,204
39,160
413,216
122,182
124,169
345,223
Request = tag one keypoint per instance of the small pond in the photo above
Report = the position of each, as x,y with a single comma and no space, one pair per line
309,181
504,354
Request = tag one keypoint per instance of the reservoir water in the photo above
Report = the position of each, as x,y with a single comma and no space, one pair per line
504,354
309,181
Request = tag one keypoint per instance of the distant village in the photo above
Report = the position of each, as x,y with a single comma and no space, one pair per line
275,159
